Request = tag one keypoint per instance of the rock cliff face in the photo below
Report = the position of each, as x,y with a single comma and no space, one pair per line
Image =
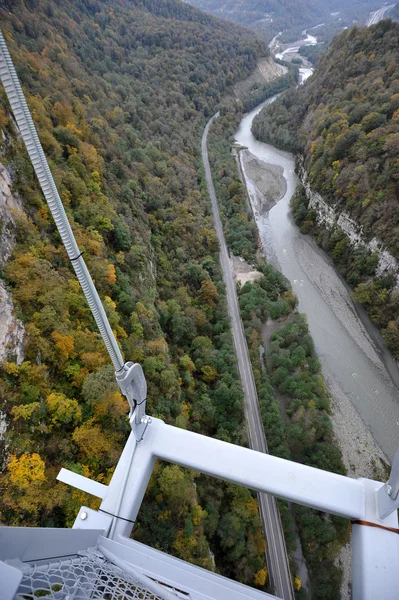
330,217
11,328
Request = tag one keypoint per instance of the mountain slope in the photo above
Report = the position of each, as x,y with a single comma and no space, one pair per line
120,92
251,12
345,120
272,16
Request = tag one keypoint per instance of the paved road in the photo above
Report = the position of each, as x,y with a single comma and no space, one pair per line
378,15
277,559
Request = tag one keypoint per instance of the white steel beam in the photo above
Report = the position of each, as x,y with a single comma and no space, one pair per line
199,583
375,563
375,548
43,543
82,483
129,482
318,489
292,481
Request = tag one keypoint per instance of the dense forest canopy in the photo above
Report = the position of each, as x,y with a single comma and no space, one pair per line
120,92
345,122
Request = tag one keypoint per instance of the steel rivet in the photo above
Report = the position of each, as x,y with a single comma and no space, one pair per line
83,516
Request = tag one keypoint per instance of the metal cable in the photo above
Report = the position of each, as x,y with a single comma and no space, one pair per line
31,140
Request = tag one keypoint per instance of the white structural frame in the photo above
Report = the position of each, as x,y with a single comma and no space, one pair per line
375,546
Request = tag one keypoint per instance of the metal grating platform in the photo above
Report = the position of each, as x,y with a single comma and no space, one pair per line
89,576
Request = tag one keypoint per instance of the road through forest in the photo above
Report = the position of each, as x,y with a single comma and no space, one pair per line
277,558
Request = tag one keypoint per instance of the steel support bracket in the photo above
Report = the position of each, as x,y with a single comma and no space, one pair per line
139,429
93,519
388,494
133,385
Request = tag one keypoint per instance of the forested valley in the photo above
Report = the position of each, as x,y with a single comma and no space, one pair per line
294,401
289,17
120,93
344,126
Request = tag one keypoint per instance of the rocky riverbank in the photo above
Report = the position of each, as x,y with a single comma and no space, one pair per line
330,217
361,454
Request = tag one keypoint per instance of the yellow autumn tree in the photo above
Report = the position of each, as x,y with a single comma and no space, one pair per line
112,405
187,364
177,486
28,489
62,113
26,469
260,577
91,440
210,239
208,292
25,411
185,545
209,373
111,274
10,368
63,409
157,346
64,343
92,360
92,159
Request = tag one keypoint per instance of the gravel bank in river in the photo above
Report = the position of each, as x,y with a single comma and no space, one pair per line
268,181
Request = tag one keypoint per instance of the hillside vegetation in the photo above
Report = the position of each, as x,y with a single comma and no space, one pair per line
269,17
120,92
249,12
345,122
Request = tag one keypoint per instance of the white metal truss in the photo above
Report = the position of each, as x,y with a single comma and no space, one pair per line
375,545
375,541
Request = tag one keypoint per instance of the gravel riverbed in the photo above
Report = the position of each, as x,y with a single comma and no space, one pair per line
268,181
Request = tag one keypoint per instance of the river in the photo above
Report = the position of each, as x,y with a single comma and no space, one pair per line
350,359
291,51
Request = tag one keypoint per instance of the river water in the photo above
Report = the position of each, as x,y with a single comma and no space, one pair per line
291,51
349,357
